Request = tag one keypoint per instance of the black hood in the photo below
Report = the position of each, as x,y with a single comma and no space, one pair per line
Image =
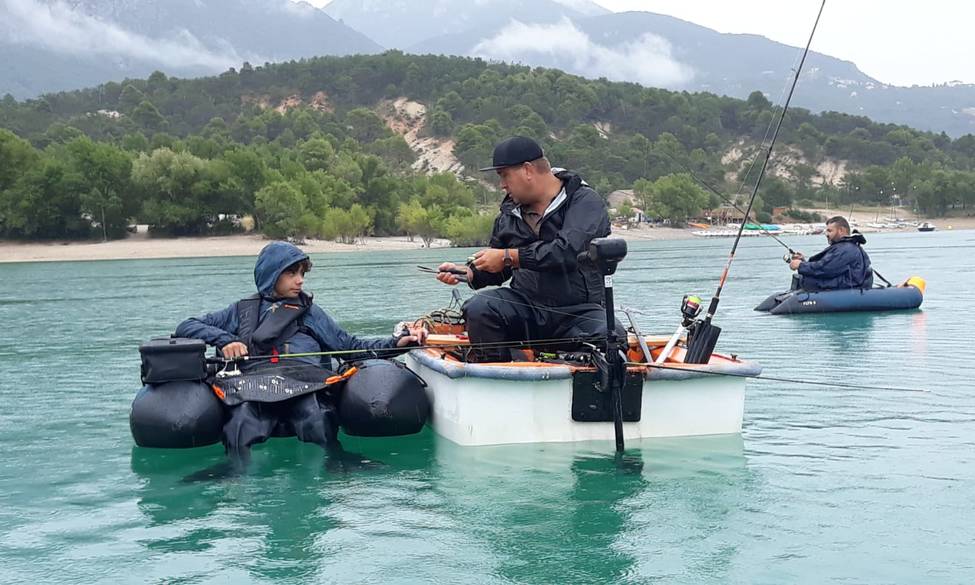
854,238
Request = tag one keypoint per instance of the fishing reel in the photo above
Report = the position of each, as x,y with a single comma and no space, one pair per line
792,255
690,308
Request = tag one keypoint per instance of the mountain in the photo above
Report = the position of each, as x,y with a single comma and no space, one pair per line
737,64
51,45
400,24
663,51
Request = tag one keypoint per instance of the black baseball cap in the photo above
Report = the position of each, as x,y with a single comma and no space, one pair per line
513,152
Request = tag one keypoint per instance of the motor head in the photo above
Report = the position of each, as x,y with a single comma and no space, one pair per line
605,253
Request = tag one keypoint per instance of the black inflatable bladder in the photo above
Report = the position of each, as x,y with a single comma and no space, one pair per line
383,398
176,415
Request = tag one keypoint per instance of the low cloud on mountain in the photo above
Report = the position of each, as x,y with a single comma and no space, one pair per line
57,27
647,60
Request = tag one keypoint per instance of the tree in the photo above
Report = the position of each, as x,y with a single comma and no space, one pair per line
16,157
776,192
41,204
174,189
470,230
366,126
674,197
103,181
147,116
280,208
346,226
316,154
440,122
415,219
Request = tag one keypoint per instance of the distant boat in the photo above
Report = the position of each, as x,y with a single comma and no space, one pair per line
926,227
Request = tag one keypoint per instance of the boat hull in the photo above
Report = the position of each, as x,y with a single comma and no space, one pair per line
838,301
481,404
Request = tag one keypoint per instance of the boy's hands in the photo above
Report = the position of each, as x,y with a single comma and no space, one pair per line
234,350
417,335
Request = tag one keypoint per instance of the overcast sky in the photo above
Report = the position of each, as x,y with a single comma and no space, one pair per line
902,42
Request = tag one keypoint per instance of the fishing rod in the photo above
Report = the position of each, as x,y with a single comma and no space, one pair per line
395,350
705,335
552,341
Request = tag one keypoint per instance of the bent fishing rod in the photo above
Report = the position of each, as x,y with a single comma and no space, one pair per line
706,335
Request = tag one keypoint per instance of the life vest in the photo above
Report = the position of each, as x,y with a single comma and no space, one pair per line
284,319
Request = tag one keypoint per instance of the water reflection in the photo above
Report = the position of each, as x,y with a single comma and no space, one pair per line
841,332
567,513
602,507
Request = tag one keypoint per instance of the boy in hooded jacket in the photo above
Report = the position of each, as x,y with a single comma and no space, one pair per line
282,319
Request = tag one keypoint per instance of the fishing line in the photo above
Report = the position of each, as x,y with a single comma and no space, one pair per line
797,62
727,200
712,309
779,379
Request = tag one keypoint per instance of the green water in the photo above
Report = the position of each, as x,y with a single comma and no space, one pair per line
823,486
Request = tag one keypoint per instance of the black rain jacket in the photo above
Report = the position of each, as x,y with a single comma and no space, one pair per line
549,273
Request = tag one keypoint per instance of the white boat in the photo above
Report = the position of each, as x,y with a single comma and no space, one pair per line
549,402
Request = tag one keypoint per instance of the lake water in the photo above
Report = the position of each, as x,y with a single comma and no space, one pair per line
824,485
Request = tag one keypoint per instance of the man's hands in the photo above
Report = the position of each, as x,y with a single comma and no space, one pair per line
489,260
446,277
797,259
234,350
418,333
486,260
492,259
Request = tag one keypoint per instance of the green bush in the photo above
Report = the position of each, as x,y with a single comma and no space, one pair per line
474,230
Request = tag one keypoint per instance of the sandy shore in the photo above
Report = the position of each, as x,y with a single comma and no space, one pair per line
142,247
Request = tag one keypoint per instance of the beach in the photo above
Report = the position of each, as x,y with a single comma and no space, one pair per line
141,246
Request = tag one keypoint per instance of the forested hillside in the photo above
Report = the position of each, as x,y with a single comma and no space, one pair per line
317,148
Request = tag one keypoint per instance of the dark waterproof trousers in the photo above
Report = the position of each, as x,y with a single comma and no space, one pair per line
503,314
304,416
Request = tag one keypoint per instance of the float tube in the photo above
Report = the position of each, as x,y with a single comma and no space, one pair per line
894,298
184,400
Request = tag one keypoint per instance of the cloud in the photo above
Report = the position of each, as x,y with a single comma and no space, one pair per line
646,60
584,7
57,27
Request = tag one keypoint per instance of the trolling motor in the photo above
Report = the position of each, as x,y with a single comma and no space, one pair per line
606,254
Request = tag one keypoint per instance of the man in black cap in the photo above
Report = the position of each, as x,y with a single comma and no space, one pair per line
547,218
